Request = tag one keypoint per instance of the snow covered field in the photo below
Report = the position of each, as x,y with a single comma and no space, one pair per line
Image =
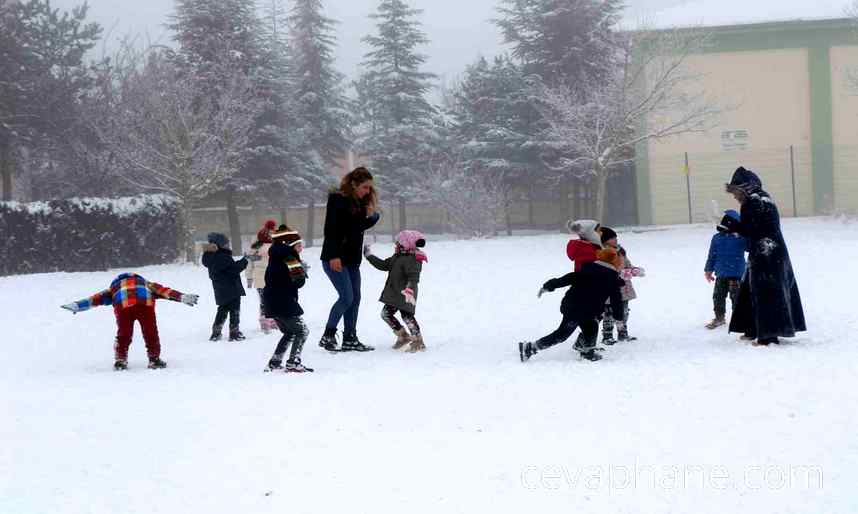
683,420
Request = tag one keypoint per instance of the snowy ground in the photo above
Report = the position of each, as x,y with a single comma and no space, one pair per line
684,420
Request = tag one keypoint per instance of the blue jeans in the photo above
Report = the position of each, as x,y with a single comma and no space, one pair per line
347,284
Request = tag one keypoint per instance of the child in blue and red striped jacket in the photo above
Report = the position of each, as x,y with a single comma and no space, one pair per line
133,299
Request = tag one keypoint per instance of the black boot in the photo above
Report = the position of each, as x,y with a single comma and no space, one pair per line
236,335
157,363
216,333
591,356
274,364
526,351
351,343
329,340
120,365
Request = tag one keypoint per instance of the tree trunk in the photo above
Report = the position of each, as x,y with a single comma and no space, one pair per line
311,223
234,222
403,220
186,233
601,194
7,165
507,215
530,216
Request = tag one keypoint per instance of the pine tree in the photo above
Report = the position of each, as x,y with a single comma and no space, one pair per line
399,132
562,41
41,75
321,129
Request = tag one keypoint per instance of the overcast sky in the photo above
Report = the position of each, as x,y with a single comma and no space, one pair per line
459,30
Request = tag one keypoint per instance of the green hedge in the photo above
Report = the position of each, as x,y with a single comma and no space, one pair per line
89,234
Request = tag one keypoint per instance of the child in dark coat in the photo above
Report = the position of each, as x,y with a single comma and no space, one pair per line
628,271
583,304
225,274
133,299
285,275
726,261
400,290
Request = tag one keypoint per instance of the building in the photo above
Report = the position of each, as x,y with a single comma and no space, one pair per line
791,95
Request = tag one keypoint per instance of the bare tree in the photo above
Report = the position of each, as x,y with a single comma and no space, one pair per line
169,138
474,204
648,96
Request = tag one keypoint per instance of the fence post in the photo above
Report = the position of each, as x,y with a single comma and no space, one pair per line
688,187
792,171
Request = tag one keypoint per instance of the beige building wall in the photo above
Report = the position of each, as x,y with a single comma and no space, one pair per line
766,94
844,98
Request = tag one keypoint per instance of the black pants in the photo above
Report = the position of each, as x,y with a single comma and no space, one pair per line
231,309
725,286
388,314
589,331
295,334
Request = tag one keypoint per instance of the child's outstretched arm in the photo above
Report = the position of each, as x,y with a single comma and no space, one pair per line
166,293
377,263
100,298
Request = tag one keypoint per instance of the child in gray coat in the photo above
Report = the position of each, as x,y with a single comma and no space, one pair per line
400,290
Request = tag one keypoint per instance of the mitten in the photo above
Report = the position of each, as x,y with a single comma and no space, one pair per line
189,299
71,307
409,296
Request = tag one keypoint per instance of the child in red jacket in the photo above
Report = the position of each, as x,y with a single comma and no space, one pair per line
133,299
583,250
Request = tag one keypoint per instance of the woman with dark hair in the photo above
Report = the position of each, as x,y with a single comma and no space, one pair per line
768,305
349,213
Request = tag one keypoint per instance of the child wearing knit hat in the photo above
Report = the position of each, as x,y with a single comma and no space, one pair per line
627,272
285,275
583,305
400,290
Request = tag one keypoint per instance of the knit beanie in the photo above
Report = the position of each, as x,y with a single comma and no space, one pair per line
218,239
288,236
610,256
607,234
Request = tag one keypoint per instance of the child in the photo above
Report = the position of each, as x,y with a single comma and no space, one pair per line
225,274
609,240
133,299
256,274
583,250
400,289
727,262
283,277
583,305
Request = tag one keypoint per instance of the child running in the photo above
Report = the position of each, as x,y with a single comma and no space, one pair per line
583,305
400,290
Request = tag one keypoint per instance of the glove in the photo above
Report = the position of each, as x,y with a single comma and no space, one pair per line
541,292
367,251
189,299
409,296
71,307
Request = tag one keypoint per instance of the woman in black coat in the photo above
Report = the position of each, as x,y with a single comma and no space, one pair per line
350,212
769,305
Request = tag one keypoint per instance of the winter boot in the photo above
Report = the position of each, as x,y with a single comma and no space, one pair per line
329,340
296,367
608,340
402,339
526,351
156,363
120,365
766,341
351,343
236,335
216,331
623,335
274,365
591,356
584,345
417,345
717,321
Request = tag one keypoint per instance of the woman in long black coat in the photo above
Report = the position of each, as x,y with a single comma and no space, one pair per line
769,305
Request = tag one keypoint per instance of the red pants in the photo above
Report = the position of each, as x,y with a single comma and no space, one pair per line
125,318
